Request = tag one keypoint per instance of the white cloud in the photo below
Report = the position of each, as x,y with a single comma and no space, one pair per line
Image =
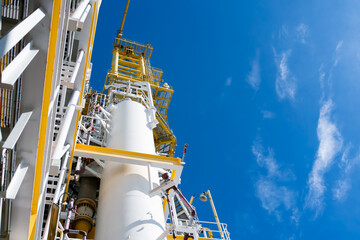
228,81
267,162
330,144
338,46
267,114
302,32
343,184
274,197
295,217
254,77
336,55
285,84
284,32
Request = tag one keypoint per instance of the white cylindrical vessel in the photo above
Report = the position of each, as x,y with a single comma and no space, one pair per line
125,209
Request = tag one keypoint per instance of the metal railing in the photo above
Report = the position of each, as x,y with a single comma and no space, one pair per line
12,9
208,229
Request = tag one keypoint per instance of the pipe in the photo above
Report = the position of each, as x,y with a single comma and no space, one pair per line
51,105
61,233
215,214
123,20
85,13
63,131
67,229
77,66
57,192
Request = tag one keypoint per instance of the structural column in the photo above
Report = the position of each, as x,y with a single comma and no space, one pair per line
125,209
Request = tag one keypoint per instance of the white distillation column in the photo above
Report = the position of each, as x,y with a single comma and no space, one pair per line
125,209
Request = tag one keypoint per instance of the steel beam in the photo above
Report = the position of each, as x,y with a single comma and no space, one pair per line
109,154
18,32
17,66
79,14
16,181
17,130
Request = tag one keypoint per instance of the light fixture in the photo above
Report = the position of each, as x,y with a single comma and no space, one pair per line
203,197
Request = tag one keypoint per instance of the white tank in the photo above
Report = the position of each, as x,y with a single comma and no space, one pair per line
125,209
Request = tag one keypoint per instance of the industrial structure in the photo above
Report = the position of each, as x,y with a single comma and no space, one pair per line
78,163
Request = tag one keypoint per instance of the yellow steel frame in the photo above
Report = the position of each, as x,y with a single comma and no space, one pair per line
131,62
44,116
82,150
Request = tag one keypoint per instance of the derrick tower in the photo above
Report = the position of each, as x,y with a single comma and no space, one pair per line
131,68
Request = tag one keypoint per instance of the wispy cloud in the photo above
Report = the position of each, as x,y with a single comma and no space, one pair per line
302,32
339,45
228,81
330,144
284,32
326,73
299,33
285,83
337,50
254,76
273,196
267,114
343,184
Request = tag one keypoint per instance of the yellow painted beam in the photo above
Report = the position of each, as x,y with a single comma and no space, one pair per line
44,115
82,150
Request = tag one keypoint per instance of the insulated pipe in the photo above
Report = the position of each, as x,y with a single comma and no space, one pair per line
85,13
126,211
63,132
77,66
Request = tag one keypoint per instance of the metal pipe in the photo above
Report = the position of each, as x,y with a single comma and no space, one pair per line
61,177
61,233
64,129
123,20
67,229
68,216
51,105
215,214
77,66
85,13
57,191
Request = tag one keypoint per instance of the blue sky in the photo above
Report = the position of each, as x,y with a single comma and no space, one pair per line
267,97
